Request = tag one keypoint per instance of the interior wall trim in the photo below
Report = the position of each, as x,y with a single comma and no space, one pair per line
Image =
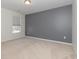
53,41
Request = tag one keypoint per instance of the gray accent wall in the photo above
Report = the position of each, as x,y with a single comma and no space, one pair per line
52,24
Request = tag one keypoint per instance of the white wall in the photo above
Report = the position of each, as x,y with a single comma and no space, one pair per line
74,27
6,25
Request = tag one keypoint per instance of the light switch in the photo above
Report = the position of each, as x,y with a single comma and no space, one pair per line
65,37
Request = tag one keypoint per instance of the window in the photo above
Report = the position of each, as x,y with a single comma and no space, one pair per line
16,27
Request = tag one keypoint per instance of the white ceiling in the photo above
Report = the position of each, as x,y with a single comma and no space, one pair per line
36,6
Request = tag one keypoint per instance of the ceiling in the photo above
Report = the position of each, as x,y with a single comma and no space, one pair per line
36,6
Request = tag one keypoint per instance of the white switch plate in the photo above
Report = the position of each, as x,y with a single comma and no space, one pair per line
65,37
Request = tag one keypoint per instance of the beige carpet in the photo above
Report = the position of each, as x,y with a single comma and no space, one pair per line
29,48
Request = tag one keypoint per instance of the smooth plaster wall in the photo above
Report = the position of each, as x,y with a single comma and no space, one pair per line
74,27
6,25
52,24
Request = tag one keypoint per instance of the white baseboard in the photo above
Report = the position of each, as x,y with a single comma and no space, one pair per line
30,37
2,41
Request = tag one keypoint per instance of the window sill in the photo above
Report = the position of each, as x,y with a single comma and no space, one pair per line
16,31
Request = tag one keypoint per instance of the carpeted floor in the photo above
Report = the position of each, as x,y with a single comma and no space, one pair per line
30,48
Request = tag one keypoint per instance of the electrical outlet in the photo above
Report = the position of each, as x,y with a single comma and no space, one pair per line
65,37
